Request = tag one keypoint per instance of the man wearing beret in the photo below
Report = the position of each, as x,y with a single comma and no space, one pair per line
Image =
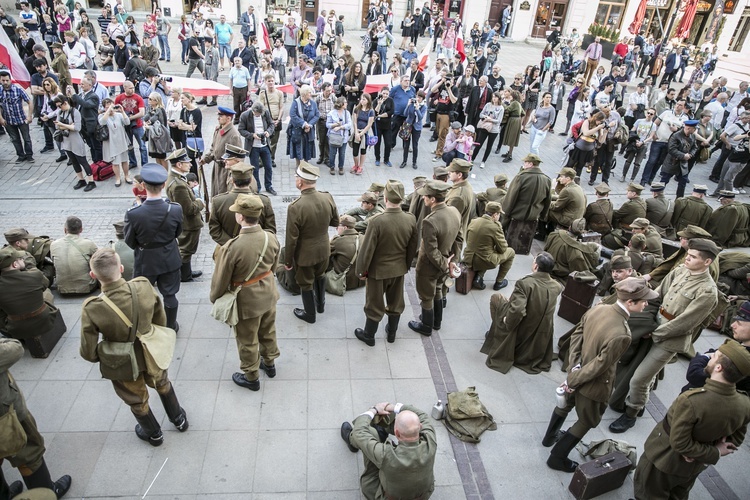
692,209
387,253
700,427
728,224
596,345
35,250
179,192
598,213
224,134
659,209
681,148
569,253
345,250
487,249
678,258
570,203
368,208
496,193
151,230
307,247
688,296
461,194
440,248
528,200
247,262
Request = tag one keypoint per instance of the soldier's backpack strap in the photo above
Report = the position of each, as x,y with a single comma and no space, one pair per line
161,224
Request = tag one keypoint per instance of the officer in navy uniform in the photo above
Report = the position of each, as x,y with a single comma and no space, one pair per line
151,230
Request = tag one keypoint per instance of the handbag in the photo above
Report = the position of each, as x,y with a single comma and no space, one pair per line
225,307
101,133
405,131
195,146
704,154
485,124
336,139
372,139
12,436
584,145
117,360
336,282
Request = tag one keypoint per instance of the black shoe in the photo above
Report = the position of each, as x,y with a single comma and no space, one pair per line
91,185
553,433
622,424
270,370
391,328
500,285
364,337
79,184
478,282
212,103
563,133
29,158
196,274
320,161
591,183
433,139
62,486
414,166
240,379
148,429
271,191
346,430
15,489
558,457
508,159
47,149
202,101
22,159
403,165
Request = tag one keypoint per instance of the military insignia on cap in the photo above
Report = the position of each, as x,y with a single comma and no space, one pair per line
232,151
178,155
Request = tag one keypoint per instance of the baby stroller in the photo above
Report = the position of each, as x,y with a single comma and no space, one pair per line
575,69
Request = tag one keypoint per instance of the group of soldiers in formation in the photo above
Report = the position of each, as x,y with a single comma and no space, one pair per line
654,307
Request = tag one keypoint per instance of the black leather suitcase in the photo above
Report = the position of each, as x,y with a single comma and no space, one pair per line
599,476
520,236
669,247
576,299
42,346
592,236
463,282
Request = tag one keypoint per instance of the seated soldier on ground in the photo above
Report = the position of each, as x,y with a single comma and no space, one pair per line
643,226
369,207
487,249
71,255
734,271
344,249
569,253
598,213
35,250
496,193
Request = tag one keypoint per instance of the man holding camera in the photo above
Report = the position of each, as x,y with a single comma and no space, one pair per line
668,122
153,83
402,96
444,101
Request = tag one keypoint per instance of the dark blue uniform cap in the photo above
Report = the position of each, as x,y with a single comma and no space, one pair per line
225,111
153,173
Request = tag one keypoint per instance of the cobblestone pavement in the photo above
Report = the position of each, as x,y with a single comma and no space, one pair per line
283,442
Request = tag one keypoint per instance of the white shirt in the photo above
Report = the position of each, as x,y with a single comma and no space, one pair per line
258,124
76,55
717,113
636,98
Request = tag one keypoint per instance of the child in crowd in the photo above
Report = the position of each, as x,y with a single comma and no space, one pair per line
192,181
465,142
139,190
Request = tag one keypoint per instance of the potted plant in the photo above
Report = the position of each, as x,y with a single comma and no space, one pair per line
609,38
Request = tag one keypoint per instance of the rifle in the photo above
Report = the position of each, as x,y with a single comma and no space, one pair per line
204,188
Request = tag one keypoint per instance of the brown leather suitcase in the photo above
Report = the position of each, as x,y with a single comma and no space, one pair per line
42,346
599,476
520,236
463,282
577,297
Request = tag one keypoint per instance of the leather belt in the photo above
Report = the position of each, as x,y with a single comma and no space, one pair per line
32,314
667,427
251,281
664,313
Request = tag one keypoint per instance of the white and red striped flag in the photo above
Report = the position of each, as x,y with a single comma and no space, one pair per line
264,42
460,44
424,57
10,59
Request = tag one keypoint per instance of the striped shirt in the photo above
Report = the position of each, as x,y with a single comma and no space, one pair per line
12,104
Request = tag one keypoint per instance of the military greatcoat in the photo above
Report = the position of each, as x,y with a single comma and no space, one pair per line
529,196
223,226
23,311
598,216
628,212
570,254
461,196
441,238
729,224
569,205
659,212
690,210
486,247
220,175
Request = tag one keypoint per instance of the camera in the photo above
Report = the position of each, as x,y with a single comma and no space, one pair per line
165,78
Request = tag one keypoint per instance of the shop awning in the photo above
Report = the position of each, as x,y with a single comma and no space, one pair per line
640,15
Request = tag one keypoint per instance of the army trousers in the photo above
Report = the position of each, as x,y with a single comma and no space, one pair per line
589,413
256,337
134,393
31,456
640,384
187,242
384,297
169,285
650,483
306,275
430,288
505,260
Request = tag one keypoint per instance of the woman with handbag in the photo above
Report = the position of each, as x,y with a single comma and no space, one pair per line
155,123
411,130
363,118
115,146
339,125
488,127
174,110
512,129
583,151
68,133
190,124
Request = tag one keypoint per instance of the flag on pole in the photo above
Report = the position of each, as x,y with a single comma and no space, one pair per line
460,45
264,42
424,58
10,59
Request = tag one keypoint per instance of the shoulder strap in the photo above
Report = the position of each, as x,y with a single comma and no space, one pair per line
85,257
354,257
133,326
260,257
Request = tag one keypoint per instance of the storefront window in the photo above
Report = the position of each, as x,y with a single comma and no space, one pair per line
609,14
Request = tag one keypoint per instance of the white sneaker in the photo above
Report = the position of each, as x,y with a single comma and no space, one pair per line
735,191
481,165
742,191
435,159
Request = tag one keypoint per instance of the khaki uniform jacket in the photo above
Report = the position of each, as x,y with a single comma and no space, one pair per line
127,257
11,351
728,224
61,67
441,237
690,298
495,194
485,244
308,218
628,212
676,260
597,343
697,419
570,254
643,262
659,212
529,196
179,192
599,216
343,248
389,246
732,261
405,469
22,292
223,226
690,210
72,255
569,205
97,317
234,262
363,217
461,196
653,241
220,175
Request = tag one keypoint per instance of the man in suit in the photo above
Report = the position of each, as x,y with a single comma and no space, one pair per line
479,96
87,103
151,230
243,52
179,192
249,23
441,241
595,348
248,261
487,249
307,248
99,316
387,252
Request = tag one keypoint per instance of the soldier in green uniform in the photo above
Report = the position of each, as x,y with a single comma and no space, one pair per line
523,325
644,226
179,192
417,182
307,247
368,208
29,455
487,249
659,209
378,189
569,204
127,256
496,194
36,250
599,212
247,262
107,314
345,249
728,224
700,427
403,470
734,268
632,209
688,295
569,253
528,200
71,256
596,345
678,258
439,250
461,194
692,209
387,252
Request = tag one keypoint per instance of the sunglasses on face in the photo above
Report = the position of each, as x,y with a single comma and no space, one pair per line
650,114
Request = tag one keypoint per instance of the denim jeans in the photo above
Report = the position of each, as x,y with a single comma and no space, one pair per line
136,135
332,152
536,137
164,47
656,156
225,50
185,49
263,154
19,133
383,53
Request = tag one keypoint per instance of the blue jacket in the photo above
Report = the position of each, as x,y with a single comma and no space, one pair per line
401,99
415,114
